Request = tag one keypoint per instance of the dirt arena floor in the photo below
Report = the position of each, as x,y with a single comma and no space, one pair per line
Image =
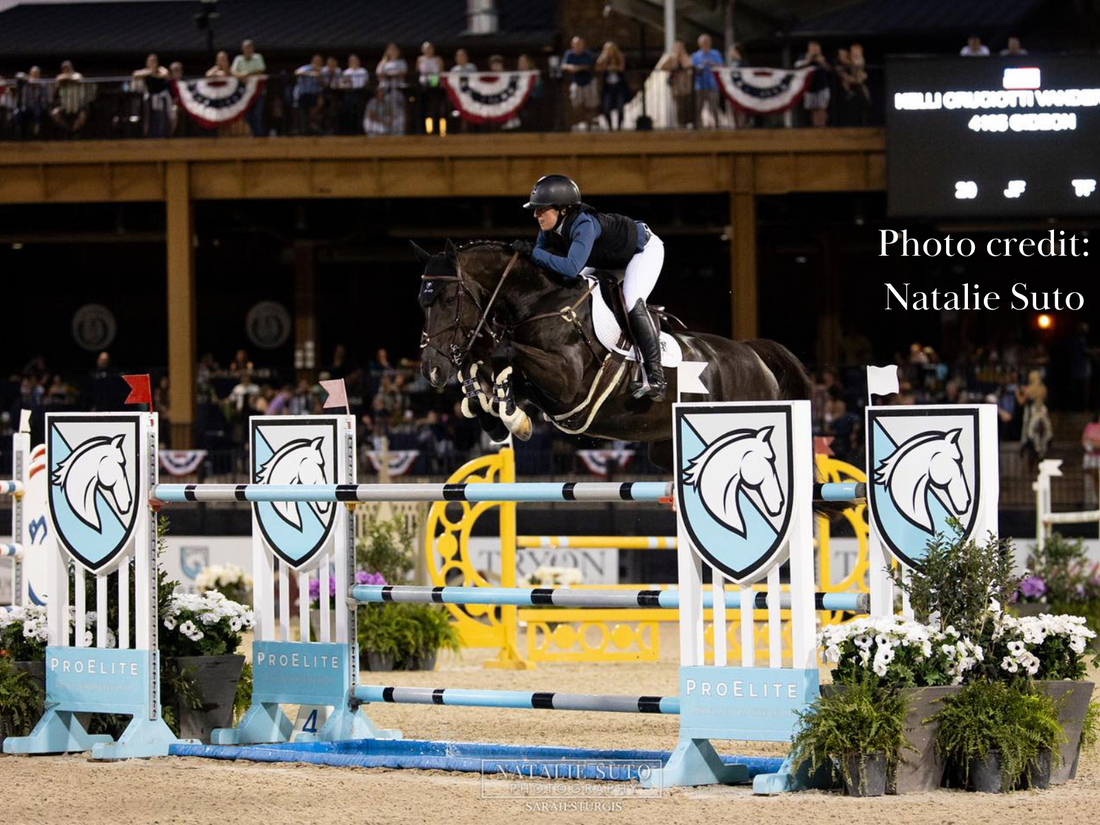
170,790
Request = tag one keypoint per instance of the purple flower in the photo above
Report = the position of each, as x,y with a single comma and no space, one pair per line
363,577
314,589
1032,587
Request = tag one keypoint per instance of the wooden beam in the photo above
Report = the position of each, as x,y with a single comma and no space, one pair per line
181,305
743,275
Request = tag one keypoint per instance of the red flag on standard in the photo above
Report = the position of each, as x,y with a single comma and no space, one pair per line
140,391
337,394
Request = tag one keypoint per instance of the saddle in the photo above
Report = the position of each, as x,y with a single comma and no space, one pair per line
611,290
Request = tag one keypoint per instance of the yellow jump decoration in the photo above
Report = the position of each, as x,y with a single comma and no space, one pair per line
595,635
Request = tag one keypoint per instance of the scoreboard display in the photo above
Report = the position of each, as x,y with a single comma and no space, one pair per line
993,136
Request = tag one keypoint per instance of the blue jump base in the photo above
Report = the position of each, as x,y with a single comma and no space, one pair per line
469,757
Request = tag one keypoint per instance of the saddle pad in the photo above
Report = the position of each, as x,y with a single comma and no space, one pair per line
611,336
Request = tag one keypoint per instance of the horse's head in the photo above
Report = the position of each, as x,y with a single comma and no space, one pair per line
111,475
945,471
758,471
451,313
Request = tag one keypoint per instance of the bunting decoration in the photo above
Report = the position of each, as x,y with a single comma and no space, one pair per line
400,461
598,462
216,101
487,97
763,91
181,462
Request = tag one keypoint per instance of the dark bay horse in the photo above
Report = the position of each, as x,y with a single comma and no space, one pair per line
492,316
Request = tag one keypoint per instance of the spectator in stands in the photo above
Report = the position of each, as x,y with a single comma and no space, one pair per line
175,75
462,62
241,363
221,66
355,86
584,93
816,98
677,64
250,63
611,64
1013,48
378,116
429,66
332,78
391,72
851,72
307,95
243,396
102,384
280,402
703,61
157,98
974,48
1090,443
1037,431
302,402
70,111
33,100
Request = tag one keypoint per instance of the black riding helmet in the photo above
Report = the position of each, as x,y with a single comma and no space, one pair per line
554,190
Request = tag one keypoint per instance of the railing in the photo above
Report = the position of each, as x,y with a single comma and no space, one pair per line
116,108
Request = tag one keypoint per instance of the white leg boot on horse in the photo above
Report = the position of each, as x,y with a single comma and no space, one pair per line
514,418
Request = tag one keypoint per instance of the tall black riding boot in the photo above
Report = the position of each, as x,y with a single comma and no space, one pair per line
648,340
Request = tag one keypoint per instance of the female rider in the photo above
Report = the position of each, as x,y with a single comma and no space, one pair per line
573,235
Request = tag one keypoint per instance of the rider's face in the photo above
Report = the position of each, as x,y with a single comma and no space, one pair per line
547,216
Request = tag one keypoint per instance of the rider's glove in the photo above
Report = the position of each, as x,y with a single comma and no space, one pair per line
523,248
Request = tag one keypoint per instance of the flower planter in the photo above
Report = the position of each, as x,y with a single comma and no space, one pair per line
36,673
424,660
216,679
1038,772
985,774
370,660
1072,700
920,767
867,774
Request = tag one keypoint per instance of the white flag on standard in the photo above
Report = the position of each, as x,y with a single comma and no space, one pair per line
882,380
688,378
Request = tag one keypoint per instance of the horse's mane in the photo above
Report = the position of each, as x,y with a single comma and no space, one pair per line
505,248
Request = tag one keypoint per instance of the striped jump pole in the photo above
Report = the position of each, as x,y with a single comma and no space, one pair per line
518,492
517,699
11,550
11,488
530,492
570,597
598,542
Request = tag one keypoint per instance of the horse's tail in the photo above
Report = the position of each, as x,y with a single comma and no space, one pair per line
794,381
794,385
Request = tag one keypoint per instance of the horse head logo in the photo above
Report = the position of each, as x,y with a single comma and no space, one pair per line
300,461
928,462
741,460
98,466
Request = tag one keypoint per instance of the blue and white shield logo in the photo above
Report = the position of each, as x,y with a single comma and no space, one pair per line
93,483
924,471
294,452
735,476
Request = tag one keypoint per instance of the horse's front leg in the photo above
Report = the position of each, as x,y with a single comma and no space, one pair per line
511,413
476,403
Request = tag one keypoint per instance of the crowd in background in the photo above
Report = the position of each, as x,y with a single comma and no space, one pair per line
395,95
392,401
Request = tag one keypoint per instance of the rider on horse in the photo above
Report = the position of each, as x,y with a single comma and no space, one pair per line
573,236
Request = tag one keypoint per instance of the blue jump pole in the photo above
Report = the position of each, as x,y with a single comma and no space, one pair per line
570,597
596,491
516,699
10,550
519,492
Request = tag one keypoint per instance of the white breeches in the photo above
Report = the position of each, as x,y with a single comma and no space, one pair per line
643,271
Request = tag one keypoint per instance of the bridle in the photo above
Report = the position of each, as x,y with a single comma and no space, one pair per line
455,351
